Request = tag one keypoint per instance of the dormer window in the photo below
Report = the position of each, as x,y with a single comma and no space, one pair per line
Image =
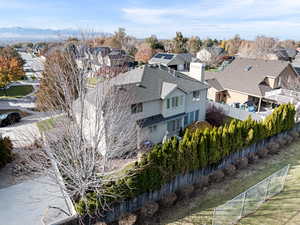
137,108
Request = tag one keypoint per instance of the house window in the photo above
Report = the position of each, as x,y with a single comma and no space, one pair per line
186,120
174,125
192,114
137,108
174,102
168,103
197,115
152,128
196,95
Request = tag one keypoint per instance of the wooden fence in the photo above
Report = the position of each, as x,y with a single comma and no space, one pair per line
179,182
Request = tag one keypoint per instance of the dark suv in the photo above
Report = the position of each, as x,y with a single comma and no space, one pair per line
9,118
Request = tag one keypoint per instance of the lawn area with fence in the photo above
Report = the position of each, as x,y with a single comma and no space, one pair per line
280,209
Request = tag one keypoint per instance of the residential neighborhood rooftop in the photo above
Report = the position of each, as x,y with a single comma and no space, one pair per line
152,82
246,75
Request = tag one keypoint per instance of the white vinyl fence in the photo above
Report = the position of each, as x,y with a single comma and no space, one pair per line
249,201
239,113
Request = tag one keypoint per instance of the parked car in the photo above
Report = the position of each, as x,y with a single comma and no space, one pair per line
9,118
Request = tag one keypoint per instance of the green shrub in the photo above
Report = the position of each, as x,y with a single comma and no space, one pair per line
5,151
197,150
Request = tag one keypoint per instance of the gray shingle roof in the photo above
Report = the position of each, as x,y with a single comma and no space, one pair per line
175,60
153,83
245,75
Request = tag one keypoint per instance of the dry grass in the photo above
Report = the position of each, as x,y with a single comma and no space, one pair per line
282,209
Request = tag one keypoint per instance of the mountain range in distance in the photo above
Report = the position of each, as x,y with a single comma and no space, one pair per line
21,34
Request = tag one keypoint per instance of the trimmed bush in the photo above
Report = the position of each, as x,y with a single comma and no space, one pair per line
128,219
274,148
215,116
252,157
230,170
202,182
294,134
6,155
282,141
185,192
168,200
149,209
242,163
263,153
217,176
290,139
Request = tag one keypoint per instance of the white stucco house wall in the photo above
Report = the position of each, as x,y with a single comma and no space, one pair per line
165,101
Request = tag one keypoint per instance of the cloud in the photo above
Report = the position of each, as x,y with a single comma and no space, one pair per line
224,17
150,16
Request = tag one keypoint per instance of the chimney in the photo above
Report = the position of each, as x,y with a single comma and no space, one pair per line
197,71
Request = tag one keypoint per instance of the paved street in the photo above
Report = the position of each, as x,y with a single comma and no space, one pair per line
28,203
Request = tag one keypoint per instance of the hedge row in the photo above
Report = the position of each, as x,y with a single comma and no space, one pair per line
195,151
5,151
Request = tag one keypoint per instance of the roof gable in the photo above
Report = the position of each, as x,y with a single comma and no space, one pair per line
167,88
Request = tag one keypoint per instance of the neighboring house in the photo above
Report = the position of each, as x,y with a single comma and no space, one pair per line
179,62
210,54
102,59
296,63
165,101
249,79
286,54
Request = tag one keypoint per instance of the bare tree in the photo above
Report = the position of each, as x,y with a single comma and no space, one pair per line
265,45
94,134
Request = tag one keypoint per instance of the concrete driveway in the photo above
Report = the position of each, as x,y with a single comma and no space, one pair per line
31,202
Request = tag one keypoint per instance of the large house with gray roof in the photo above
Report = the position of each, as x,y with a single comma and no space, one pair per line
165,101
249,79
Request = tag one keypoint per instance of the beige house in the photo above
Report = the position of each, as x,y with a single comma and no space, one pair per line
249,79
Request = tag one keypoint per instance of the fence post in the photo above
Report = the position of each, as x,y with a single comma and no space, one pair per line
214,217
243,204
267,191
284,176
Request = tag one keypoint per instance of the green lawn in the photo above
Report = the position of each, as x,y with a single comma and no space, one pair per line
281,209
16,91
45,125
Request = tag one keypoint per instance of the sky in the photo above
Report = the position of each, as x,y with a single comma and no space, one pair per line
205,18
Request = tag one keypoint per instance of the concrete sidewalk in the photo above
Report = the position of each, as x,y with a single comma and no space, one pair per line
29,202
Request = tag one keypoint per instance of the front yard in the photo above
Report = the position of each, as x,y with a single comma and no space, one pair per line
16,91
282,209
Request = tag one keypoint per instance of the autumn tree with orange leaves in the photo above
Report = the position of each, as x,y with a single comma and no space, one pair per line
11,66
11,69
144,53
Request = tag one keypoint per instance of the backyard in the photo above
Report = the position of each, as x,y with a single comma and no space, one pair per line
16,91
281,209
